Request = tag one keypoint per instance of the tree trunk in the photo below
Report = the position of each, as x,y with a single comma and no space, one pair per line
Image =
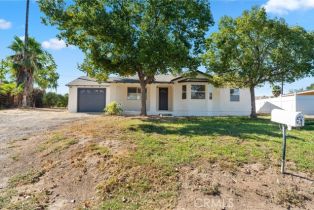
143,99
253,108
143,84
26,94
28,90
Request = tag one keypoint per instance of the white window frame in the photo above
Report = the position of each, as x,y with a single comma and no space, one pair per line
235,95
184,92
137,94
193,91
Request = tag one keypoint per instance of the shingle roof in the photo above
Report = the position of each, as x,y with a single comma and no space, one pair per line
87,81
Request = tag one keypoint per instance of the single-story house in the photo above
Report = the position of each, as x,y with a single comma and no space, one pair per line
296,102
168,94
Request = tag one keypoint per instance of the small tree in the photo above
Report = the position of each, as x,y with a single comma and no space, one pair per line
252,49
276,90
139,37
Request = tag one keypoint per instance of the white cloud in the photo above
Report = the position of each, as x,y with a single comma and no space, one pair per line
285,6
4,24
54,44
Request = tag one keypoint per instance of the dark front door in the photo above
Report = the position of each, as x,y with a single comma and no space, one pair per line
163,98
91,99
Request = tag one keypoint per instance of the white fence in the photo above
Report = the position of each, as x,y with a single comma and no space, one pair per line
296,103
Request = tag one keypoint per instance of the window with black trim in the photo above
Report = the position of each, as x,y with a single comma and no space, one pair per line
183,91
235,94
210,96
197,91
134,93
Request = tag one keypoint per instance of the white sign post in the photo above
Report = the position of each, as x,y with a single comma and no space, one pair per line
288,120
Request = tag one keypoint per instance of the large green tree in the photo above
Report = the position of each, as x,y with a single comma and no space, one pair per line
252,49
41,68
132,37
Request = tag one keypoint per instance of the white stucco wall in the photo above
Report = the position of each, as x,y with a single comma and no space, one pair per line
219,105
119,93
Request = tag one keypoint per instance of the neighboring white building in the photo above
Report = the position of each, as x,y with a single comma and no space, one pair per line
297,102
168,94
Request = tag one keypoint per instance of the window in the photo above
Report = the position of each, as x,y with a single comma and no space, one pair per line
235,94
197,91
210,96
183,91
134,93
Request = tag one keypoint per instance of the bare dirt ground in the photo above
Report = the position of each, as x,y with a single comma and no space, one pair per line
253,186
19,123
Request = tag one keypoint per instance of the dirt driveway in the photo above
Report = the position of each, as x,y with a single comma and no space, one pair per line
17,123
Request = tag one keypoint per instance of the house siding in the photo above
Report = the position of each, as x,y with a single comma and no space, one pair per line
219,105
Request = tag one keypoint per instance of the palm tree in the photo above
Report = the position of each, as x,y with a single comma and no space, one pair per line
38,68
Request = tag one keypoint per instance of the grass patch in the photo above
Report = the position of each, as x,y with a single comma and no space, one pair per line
147,177
6,196
57,143
99,149
238,140
28,177
33,201
290,197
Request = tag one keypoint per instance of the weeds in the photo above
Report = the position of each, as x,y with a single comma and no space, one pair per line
28,177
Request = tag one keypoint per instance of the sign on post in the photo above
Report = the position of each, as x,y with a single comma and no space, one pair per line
287,119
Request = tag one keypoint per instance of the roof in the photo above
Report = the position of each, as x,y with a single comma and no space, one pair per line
308,92
302,93
161,78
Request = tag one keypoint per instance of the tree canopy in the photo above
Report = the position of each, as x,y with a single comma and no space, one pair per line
252,49
40,66
40,63
133,37
276,90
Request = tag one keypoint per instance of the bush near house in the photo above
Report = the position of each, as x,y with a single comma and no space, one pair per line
113,108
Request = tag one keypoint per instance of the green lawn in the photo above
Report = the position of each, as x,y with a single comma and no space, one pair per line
163,145
172,141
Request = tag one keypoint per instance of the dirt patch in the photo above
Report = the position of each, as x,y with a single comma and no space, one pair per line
65,166
211,186
20,123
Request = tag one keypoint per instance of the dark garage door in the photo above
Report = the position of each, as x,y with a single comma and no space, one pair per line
91,99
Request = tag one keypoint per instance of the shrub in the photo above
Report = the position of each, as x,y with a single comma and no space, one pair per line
113,108
37,97
55,100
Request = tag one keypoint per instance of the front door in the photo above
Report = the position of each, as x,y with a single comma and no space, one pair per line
163,98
